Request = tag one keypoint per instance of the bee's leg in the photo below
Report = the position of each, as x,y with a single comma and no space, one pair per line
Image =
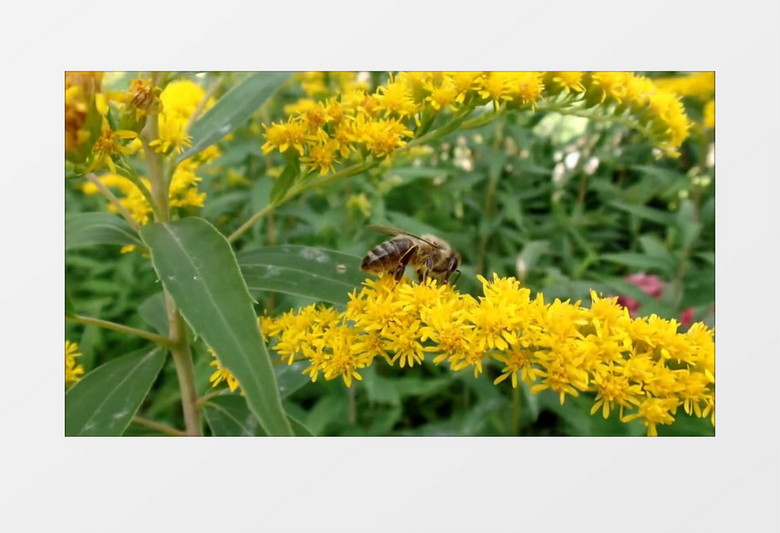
452,266
423,272
399,272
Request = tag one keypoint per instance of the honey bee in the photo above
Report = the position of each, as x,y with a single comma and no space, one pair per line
428,255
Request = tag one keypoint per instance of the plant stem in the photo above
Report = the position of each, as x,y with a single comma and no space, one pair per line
206,397
130,174
490,209
159,427
114,200
182,360
180,349
583,188
248,224
90,321
351,407
154,161
514,426
299,188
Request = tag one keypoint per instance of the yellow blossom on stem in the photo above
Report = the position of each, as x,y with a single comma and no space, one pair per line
494,86
610,85
381,137
568,81
445,94
395,99
654,411
709,114
179,99
143,98
526,87
221,374
613,389
285,135
321,157
699,84
107,147
73,371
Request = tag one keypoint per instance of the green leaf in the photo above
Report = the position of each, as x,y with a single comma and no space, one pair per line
689,227
70,310
637,261
576,417
283,183
198,269
291,377
233,109
658,251
327,412
317,273
104,401
229,416
654,215
153,311
299,429
88,229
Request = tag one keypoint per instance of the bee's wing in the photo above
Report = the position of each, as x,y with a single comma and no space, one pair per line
392,230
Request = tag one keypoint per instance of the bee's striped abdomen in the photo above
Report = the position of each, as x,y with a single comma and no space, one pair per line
386,254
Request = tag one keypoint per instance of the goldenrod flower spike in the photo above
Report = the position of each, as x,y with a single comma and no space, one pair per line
643,367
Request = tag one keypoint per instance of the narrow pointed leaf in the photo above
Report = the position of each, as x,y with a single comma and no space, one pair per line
235,107
229,416
70,310
642,211
283,183
637,261
104,401
153,311
88,229
197,267
320,274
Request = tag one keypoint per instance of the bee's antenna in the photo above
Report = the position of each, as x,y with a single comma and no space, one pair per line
456,277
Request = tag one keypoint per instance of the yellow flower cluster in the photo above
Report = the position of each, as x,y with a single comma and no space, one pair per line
183,191
179,99
175,106
381,122
73,371
699,85
641,365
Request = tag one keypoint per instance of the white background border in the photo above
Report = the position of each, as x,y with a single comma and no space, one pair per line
726,483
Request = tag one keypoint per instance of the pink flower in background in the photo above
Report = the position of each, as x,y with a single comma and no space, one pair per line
686,317
653,286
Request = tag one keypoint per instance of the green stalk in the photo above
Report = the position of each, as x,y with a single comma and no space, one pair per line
182,359
129,173
180,349
105,191
90,321
514,427
301,187
162,428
